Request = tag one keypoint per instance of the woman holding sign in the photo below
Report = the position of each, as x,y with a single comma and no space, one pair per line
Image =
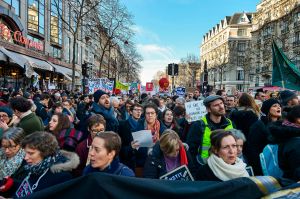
223,163
167,154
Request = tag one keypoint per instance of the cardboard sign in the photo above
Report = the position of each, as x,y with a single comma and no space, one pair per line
180,173
195,109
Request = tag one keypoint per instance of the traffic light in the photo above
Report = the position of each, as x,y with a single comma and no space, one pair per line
84,69
175,69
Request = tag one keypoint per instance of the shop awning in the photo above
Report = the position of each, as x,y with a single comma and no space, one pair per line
23,60
15,57
3,57
65,71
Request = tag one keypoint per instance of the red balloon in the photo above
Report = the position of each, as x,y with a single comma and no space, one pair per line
164,83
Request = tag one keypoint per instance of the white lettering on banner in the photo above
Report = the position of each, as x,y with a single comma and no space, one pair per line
195,110
100,84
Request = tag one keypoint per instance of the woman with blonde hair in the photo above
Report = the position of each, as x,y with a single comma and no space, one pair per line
168,154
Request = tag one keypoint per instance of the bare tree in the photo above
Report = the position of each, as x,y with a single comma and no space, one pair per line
73,20
113,23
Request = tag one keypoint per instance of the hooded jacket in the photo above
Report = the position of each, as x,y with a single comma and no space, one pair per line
57,173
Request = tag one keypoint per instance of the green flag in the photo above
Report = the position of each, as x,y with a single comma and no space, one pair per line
285,73
121,86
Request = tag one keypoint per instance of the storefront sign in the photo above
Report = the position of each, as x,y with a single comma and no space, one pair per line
17,36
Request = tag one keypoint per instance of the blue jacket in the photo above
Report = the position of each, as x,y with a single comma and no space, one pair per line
115,168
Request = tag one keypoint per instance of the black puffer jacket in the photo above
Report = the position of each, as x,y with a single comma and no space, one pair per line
288,138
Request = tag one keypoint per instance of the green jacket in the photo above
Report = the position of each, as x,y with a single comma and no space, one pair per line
31,123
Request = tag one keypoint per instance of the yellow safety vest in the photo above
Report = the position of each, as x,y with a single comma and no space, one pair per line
206,138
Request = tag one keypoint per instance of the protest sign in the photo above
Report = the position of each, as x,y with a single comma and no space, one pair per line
143,137
195,110
100,84
180,173
180,91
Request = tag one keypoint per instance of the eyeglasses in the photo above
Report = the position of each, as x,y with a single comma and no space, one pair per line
8,147
97,132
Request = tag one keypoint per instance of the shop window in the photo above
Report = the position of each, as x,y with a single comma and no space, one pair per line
55,52
56,22
15,4
36,16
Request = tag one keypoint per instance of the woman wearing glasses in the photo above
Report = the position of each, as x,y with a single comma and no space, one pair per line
223,163
96,124
104,153
11,156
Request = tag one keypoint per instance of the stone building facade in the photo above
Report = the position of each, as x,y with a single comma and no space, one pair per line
224,53
277,20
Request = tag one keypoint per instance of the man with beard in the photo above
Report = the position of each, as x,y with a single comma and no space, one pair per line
198,137
102,106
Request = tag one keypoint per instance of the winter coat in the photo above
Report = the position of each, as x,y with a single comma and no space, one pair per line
115,168
57,173
155,166
243,118
42,112
206,174
258,138
68,139
288,140
31,123
82,151
112,123
196,133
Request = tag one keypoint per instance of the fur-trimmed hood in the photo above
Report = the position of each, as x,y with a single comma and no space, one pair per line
71,163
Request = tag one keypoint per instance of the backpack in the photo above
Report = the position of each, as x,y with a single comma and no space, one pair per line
269,161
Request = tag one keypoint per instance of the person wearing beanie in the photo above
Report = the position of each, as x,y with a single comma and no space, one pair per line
259,134
6,115
288,99
102,106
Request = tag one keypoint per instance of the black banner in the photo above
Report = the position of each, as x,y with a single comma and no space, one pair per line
104,186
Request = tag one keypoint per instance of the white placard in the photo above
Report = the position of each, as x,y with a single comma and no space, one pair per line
143,137
195,110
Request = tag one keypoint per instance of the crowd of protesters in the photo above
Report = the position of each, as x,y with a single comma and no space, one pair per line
51,137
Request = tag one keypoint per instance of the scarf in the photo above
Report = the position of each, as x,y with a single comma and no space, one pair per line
11,165
225,171
108,114
287,123
133,124
154,130
46,163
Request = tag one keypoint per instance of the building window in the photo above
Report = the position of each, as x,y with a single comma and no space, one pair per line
240,61
56,22
241,46
239,75
36,40
15,4
267,32
241,32
36,16
284,26
296,39
239,87
55,52
68,46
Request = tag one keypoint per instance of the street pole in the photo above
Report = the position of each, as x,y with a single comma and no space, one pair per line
173,78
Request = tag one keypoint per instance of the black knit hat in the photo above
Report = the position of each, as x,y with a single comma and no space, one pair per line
266,105
98,94
286,96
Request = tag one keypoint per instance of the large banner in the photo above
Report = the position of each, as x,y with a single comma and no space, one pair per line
100,84
100,185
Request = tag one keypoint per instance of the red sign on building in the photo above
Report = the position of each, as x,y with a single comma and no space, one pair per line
149,86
